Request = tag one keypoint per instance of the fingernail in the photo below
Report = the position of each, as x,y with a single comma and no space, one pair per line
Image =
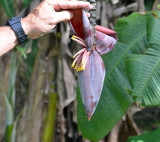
88,3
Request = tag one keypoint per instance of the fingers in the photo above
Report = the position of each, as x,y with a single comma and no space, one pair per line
73,5
64,15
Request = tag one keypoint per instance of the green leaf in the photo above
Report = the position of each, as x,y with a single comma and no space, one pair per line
114,100
13,137
26,2
143,71
8,119
49,124
152,136
130,30
153,32
12,78
9,111
144,76
153,35
8,133
22,51
8,7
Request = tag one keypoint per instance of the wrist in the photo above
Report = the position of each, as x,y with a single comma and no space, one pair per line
26,26
15,24
30,26
12,34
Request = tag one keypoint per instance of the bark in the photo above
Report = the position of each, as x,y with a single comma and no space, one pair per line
53,65
30,125
126,9
104,16
141,6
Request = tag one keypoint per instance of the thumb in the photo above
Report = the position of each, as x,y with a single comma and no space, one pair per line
62,16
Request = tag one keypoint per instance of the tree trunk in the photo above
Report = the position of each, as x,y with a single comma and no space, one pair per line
52,75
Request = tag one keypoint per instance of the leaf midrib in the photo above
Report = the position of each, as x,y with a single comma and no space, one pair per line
141,96
117,62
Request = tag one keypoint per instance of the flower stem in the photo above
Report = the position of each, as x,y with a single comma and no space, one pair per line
92,18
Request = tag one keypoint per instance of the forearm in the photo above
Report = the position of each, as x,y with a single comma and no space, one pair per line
40,21
8,39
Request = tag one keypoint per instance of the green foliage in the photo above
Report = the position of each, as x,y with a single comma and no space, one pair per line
9,111
9,119
10,99
22,51
148,5
50,118
144,77
12,78
148,137
153,24
26,3
11,122
143,70
8,7
115,100
29,61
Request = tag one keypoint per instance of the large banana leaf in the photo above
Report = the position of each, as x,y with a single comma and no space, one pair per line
152,136
143,70
153,34
144,76
114,100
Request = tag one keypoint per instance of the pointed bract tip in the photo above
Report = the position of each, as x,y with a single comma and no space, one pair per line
89,115
89,118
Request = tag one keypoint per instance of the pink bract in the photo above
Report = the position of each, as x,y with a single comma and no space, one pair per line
88,62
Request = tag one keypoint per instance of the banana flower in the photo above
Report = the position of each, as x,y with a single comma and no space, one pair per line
88,62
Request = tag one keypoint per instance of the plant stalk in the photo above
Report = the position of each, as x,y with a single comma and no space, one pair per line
92,19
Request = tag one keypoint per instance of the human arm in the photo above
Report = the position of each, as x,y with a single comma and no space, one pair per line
40,21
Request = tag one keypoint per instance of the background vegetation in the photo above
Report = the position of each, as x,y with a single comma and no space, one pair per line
38,87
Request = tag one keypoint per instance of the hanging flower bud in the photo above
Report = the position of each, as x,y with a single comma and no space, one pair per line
88,62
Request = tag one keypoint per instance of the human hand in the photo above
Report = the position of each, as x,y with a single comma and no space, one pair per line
49,13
